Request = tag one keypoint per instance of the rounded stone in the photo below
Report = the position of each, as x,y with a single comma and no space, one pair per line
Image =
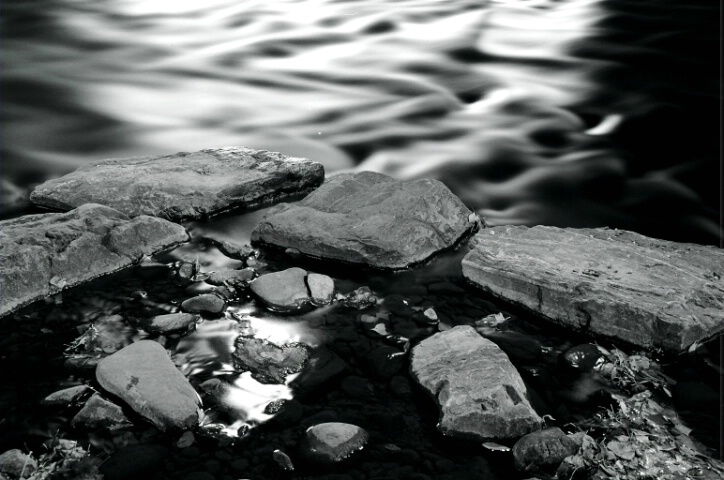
544,448
204,303
333,442
17,464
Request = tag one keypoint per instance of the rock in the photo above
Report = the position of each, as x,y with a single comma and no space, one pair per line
66,396
360,298
371,219
333,442
83,365
284,291
134,462
282,460
183,186
235,278
169,323
204,303
322,367
321,288
544,448
234,250
648,292
44,254
17,464
143,376
99,413
480,393
267,362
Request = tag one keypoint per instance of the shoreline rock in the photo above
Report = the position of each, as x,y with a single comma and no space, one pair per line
183,186
370,219
619,284
479,392
42,255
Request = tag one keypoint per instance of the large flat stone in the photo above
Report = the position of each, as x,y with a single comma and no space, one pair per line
143,376
40,255
183,186
480,393
371,219
648,292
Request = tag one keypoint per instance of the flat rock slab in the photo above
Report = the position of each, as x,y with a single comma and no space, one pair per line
143,376
648,292
480,393
183,186
44,254
371,219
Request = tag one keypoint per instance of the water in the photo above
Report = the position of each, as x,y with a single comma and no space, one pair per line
569,113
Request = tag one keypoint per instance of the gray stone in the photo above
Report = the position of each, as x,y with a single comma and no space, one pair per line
66,396
648,292
143,376
99,413
267,362
333,442
17,464
544,448
44,254
371,219
183,186
204,303
235,278
321,288
480,393
169,323
284,291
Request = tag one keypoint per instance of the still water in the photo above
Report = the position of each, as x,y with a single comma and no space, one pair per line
569,113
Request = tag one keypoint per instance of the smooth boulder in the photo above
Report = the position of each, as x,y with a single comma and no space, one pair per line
371,219
43,254
479,392
619,284
143,376
183,186
292,290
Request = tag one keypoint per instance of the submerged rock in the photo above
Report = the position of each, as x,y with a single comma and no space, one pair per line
183,186
480,393
44,254
267,362
143,376
544,448
371,219
333,442
99,413
648,292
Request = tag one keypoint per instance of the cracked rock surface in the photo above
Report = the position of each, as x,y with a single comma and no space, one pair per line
43,254
371,219
479,392
183,186
648,292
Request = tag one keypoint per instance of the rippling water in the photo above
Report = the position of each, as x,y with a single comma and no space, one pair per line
571,112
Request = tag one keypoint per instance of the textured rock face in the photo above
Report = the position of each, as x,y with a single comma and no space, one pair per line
143,376
268,362
99,413
43,254
183,186
369,218
619,284
333,442
480,393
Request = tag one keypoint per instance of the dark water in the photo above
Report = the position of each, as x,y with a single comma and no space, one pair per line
570,113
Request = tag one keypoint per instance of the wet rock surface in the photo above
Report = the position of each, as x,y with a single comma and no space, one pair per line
183,186
370,219
333,442
480,393
43,254
143,376
171,322
293,290
99,413
204,303
269,363
648,292
544,448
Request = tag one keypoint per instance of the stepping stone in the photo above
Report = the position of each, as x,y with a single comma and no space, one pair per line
42,255
183,186
480,394
613,283
371,219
